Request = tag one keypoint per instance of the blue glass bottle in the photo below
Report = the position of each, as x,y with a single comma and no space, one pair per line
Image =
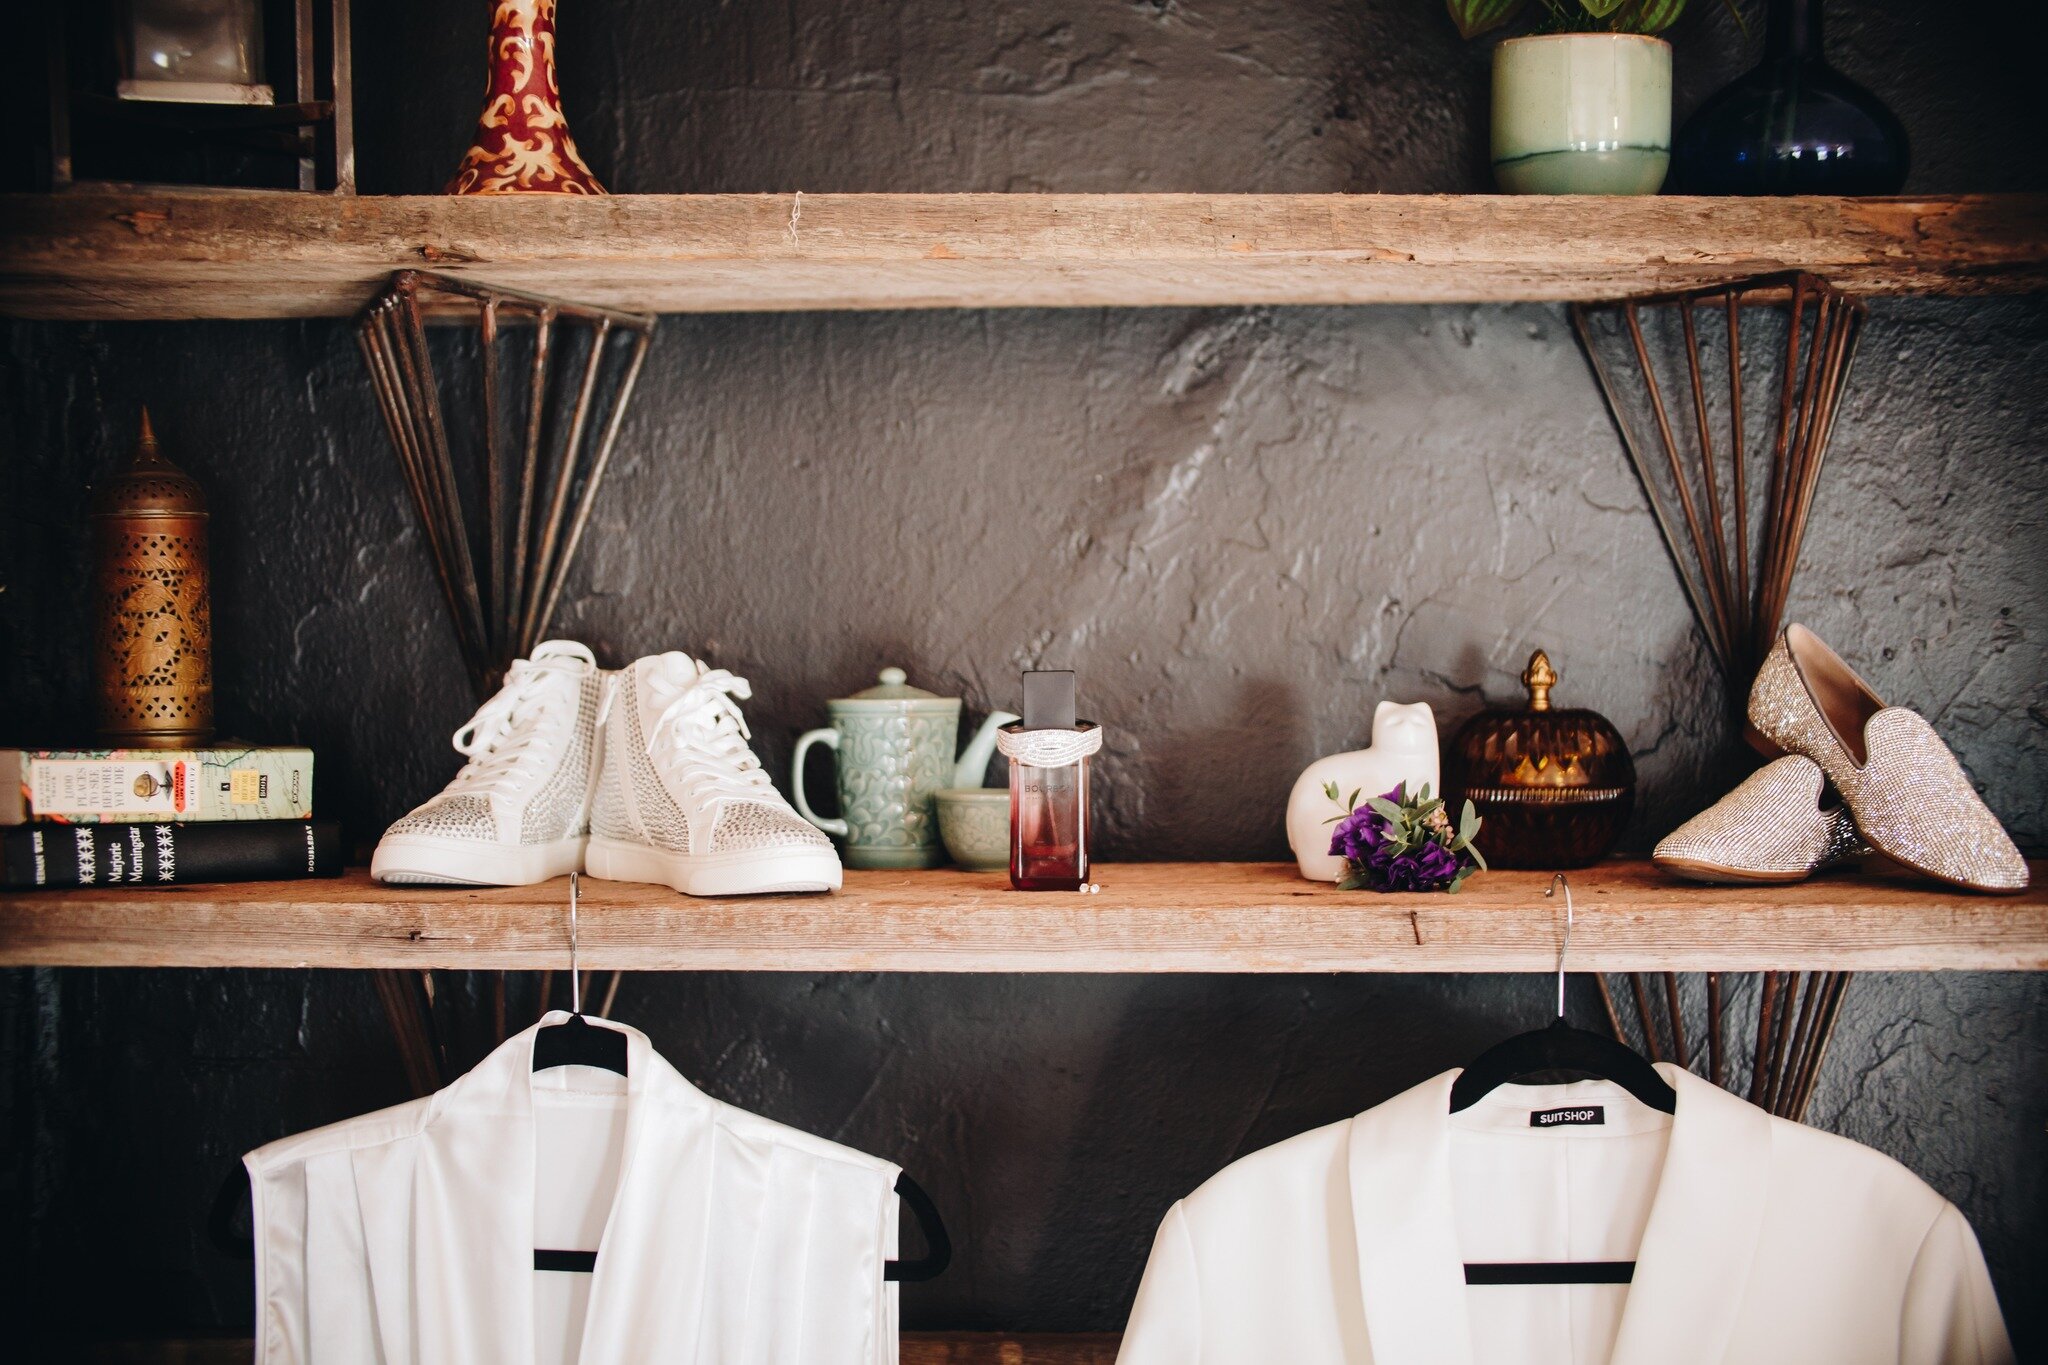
1793,125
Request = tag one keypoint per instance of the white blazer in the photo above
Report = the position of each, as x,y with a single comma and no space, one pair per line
406,1237
1756,1240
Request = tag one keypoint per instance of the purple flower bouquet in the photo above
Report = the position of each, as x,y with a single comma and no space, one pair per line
1399,842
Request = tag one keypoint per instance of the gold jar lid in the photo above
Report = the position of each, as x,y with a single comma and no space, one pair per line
1541,752
149,485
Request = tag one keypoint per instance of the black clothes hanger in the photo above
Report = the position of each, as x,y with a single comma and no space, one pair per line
1560,1047
938,1247
222,1226
576,1041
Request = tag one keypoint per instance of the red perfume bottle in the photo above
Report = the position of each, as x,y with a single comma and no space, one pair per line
1048,752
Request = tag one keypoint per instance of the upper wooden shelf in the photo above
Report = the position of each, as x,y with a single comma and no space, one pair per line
1148,917
187,255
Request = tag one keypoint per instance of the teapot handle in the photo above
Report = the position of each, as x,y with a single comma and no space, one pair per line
830,739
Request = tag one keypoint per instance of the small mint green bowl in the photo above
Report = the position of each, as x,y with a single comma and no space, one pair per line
974,825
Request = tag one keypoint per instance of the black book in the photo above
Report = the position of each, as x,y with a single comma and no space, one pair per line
114,855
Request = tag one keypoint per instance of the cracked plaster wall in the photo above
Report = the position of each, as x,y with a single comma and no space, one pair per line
1244,527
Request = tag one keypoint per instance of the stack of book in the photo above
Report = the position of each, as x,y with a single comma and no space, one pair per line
160,817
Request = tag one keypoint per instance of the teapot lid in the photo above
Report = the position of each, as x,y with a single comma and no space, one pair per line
895,687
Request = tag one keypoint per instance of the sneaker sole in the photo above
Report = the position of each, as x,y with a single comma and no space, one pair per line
753,872
431,860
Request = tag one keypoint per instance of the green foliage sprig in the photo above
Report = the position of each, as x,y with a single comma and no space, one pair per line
1474,17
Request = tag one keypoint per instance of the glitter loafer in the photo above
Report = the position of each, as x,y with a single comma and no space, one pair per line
1909,797
1772,828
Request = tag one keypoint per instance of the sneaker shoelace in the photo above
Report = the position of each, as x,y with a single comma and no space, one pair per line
500,740
700,738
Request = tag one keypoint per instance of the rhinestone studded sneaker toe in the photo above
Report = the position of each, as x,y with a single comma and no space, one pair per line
1909,796
518,812
684,802
1772,828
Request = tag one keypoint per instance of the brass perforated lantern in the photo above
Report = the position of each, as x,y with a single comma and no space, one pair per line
1553,785
152,605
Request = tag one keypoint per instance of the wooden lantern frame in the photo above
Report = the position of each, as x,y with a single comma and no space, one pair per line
316,125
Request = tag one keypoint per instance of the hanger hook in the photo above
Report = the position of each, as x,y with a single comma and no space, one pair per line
1558,879
576,977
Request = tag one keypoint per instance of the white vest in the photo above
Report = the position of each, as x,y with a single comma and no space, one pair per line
1757,1241
406,1237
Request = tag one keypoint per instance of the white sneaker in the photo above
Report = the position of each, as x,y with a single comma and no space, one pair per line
519,811
683,801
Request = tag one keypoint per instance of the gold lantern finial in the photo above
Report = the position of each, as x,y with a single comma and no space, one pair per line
1539,677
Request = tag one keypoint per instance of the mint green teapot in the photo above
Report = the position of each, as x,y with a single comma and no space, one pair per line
894,745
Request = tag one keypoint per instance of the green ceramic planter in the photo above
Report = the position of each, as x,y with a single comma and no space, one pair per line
1581,113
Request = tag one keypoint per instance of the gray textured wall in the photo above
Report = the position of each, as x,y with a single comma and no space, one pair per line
1244,527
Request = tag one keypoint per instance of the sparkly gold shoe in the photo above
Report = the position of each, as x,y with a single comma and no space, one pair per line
1770,829
1909,797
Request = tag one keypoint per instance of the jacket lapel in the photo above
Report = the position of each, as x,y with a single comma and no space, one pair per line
383,1192
1411,1278
1704,1226
657,1252
472,1195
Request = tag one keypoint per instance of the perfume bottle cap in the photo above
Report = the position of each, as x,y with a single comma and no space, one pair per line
1049,699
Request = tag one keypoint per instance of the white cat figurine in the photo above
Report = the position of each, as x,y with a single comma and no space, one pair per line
1403,750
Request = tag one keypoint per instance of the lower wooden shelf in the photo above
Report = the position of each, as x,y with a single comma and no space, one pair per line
1147,917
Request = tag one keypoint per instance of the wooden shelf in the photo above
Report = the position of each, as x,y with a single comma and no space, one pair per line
1148,917
182,255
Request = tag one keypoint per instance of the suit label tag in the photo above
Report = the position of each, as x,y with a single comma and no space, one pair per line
1577,1116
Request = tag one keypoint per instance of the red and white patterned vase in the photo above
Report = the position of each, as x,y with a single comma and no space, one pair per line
522,140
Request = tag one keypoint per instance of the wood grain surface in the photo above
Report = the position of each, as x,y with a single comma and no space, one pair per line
192,255
1147,917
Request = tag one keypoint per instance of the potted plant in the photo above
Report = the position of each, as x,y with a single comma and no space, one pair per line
1581,105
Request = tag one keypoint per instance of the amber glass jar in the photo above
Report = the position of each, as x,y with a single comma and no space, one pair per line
1553,786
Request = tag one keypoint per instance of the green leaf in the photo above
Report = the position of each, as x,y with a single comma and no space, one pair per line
1330,790
1474,17
1652,16
1352,804
1354,881
1385,809
1468,823
1600,9
1477,857
1423,795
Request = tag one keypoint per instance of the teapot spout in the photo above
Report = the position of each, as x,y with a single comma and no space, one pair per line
973,764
